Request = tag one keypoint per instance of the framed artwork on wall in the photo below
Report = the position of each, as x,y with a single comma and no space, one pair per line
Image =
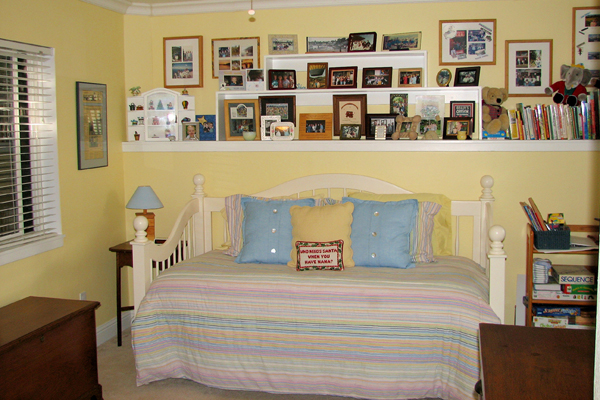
283,44
92,138
183,62
468,42
528,67
240,116
235,54
401,41
349,110
586,38
326,44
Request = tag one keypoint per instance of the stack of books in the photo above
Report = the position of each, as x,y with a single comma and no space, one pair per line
534,216
567,282
564,317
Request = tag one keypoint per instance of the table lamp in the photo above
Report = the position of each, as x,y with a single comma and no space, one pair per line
144,198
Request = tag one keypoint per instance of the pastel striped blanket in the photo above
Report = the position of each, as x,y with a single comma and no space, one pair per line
376,333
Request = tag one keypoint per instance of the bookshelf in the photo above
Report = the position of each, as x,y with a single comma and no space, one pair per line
532,253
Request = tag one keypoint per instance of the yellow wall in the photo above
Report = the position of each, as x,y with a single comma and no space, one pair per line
564,182
88,43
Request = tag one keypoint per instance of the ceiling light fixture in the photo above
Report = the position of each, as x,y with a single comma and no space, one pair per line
251,10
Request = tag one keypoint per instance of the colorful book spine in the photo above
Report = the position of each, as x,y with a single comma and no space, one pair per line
579,289
557,311
573,274
550,322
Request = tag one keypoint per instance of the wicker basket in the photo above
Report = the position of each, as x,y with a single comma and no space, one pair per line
552,240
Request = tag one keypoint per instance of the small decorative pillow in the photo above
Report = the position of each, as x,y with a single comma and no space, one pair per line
442,232
267,230
320,255
322,224
422,248
381,232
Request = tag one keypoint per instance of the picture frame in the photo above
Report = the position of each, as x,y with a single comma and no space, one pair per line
190,131
427,125
462,108
349,110
284,106
208,123
362,42
182,62
399,104
455,125
401,41
467,76
92,136
376,120
326,44
255,79
410,77
265,125
232,80
315,126
283,44
240,115
379,77
235,54
317,75
528,67
343,77
467,42
350,132
430,106
282,79
282,131
586,38
443,77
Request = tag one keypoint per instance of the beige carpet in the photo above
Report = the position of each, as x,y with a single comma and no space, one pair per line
116,370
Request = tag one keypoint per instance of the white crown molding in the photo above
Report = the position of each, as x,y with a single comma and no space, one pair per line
157,8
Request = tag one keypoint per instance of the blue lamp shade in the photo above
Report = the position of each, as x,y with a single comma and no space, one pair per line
144,198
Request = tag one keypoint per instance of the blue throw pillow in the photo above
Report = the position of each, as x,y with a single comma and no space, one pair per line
267,230
381,232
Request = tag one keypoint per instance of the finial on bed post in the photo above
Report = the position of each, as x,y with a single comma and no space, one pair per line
140,224
487,182
497,235
199,180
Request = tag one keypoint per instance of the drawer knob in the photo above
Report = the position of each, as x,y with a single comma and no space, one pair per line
42,338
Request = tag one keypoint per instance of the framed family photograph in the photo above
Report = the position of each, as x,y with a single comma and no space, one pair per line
283,44
349,110
235,54
586,38
183,62
401,41
467,76
410,77
377,77
190,131
283,106
92,137
528,67
457,128
232,80
343,77
282,131
317,75
315,126
255,79
443,77
265,125
282,79
399,104
468,42
375,121
350,132
240,116
361,42
326,45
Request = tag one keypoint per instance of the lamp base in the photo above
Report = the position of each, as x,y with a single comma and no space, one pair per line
150,230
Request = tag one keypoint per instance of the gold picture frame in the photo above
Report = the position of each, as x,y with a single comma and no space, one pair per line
468,42
183,62
315,126
241,116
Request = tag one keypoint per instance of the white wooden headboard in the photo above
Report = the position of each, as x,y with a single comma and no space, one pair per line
192,232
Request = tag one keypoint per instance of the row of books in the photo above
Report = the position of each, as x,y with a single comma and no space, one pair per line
564,322
564,317
567,282
534,216
556,121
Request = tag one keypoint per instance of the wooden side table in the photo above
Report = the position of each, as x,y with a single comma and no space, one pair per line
124,258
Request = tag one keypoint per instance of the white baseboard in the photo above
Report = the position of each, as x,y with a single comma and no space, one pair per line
108,330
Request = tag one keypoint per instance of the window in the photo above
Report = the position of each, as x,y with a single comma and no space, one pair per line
29,192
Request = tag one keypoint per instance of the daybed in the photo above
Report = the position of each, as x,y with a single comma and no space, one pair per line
398,331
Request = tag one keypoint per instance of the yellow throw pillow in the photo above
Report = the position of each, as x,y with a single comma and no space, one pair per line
322,224
442,230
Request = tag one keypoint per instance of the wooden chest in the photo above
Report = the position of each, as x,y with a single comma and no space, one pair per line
48,350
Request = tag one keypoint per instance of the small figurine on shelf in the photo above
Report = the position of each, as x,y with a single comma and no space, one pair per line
139,107
151,105
136,90
134,122
184,92
169,106
132,107
136,136
140,120
185,104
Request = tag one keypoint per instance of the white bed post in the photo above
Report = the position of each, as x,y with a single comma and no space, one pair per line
142,267
198,218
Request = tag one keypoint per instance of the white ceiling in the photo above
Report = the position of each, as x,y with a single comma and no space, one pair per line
179,7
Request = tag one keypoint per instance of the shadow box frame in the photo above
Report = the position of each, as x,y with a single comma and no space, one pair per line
290,102
228,117
350,102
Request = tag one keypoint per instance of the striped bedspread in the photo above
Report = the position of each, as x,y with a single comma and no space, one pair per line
376,333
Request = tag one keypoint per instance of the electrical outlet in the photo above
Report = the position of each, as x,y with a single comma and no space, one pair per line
82,296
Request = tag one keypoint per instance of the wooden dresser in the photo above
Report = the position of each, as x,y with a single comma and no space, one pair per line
48,350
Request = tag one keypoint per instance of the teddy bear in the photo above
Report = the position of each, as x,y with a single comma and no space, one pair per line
412,132
570,89
494,116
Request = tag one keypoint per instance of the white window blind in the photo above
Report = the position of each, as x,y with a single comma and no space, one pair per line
29,191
